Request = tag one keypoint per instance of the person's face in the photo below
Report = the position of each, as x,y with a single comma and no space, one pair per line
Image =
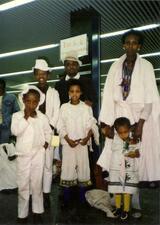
131,45
71,68
74,94
31,102
123,132
2,90
41,76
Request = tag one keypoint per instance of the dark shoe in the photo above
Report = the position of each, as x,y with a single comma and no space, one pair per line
117,212
47,202
124,216
37,218
22,220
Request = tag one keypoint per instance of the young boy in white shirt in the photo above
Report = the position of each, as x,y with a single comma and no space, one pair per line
33,136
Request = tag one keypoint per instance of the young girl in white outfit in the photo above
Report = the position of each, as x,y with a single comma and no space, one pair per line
74,126
123,171
33,136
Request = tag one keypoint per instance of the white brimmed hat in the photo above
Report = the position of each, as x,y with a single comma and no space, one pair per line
41,64
42,96
72,56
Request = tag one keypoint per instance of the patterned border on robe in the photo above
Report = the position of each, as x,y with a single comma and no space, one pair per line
70,183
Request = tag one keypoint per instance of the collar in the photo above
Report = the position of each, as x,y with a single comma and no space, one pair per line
75,77
43,89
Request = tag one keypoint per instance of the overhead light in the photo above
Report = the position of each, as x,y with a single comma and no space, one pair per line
7,54
31,71
26,72
23,85
144,55
16,91
109,60
52,81
13,4
103,75
146,27
157,69
57,68
15,73
112,34
150,54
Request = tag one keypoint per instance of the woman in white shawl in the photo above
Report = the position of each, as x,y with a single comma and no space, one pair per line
130,91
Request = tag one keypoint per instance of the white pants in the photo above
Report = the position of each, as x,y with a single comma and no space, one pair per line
48,170
29,180
75,163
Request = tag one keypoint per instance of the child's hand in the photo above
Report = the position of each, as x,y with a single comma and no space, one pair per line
133,154
72,143
84,141
29,113
137,153
45,145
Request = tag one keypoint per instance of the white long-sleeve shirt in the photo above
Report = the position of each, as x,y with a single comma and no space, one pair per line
31,133
75,121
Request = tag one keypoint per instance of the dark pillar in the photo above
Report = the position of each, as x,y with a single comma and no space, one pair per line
88,21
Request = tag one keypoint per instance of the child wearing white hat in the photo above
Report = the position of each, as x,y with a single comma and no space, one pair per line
33,137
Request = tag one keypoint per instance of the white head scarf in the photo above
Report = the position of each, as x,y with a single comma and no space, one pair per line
25,91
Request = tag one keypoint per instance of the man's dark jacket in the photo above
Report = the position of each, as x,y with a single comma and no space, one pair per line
87,88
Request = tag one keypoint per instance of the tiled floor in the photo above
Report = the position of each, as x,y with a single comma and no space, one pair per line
150,198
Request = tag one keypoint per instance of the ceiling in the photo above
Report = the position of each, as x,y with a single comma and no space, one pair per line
44,22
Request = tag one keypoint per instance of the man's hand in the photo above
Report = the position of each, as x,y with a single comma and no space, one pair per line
139,129
88,102
108,131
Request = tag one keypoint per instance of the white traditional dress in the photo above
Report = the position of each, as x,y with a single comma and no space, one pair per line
142,102
75,121
123,171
